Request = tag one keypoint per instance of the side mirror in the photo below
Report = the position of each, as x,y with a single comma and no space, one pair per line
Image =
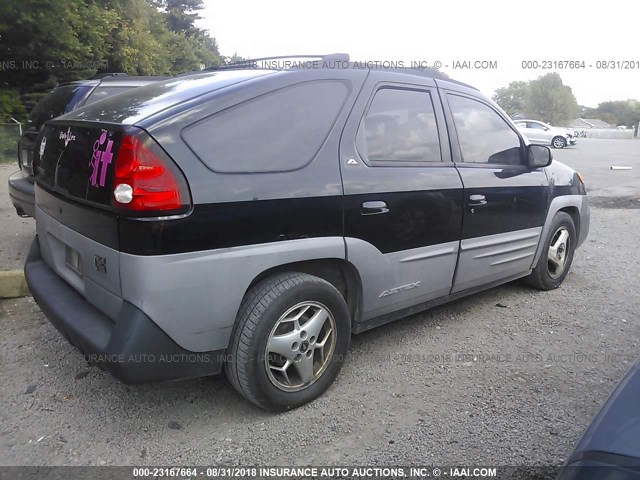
538,156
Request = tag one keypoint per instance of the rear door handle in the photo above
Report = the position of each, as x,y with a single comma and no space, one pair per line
477,200
376,207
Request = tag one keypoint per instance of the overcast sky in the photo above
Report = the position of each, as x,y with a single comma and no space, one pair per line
446,31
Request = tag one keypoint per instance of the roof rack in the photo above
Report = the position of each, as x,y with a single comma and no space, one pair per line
99,76
332,57
253,62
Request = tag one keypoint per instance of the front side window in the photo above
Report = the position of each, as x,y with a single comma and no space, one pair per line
483,135
537,126
400,126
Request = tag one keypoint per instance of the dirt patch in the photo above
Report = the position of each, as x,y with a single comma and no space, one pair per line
626,203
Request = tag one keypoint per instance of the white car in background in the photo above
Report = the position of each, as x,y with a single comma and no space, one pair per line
544,134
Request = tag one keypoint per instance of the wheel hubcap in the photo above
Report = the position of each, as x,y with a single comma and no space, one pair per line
558,143
558,252
300,346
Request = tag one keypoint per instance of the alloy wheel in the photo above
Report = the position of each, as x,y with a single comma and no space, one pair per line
300,346
558,252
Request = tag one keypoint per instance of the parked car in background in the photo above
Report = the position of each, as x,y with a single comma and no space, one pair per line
544,134
250,220
63,99
610,447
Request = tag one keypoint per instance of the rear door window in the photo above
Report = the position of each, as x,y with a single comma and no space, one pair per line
400,126
277,132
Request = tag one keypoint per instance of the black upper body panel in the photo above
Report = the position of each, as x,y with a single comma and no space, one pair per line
235,204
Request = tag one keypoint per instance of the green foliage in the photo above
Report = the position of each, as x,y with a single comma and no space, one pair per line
513,98
181,15
620,112
11,106
545,98
47,42
550,100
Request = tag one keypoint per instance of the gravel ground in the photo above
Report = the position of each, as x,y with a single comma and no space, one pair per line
510,376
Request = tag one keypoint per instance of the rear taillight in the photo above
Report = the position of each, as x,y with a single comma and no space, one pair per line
146,180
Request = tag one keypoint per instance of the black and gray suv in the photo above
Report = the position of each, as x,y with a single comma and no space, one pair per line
250,220
62,99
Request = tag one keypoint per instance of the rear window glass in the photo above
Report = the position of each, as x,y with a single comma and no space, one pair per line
60,101
280,131
77,162
138,103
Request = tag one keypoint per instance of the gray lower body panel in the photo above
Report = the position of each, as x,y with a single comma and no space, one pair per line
195,297
398,280
493,257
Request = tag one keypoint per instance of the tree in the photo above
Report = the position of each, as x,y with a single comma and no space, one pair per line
47,42
513,98
550,100
620,112
44,38
182,15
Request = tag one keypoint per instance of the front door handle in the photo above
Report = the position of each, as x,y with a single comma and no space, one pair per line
477,200
373,208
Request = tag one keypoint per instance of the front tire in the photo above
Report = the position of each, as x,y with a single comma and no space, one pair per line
559,142
291,335
557,254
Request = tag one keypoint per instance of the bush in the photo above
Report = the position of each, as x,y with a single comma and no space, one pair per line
11,106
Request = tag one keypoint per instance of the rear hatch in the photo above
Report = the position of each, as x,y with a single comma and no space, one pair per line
76,223
89,176
78,162
96,171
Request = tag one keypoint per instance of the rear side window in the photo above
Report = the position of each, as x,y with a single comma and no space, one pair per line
400,126
104,92
277,132
483,135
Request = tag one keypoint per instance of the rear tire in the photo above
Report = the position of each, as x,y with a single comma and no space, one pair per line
288,345
557,254
559,142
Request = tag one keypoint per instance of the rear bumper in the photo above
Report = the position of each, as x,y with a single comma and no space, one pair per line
21,192
132,348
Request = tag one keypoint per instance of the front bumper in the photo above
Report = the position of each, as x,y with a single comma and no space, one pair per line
21,192
132,348
585,220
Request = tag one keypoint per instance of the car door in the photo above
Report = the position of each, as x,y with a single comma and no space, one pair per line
504,200
538,133
402,194
522,126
